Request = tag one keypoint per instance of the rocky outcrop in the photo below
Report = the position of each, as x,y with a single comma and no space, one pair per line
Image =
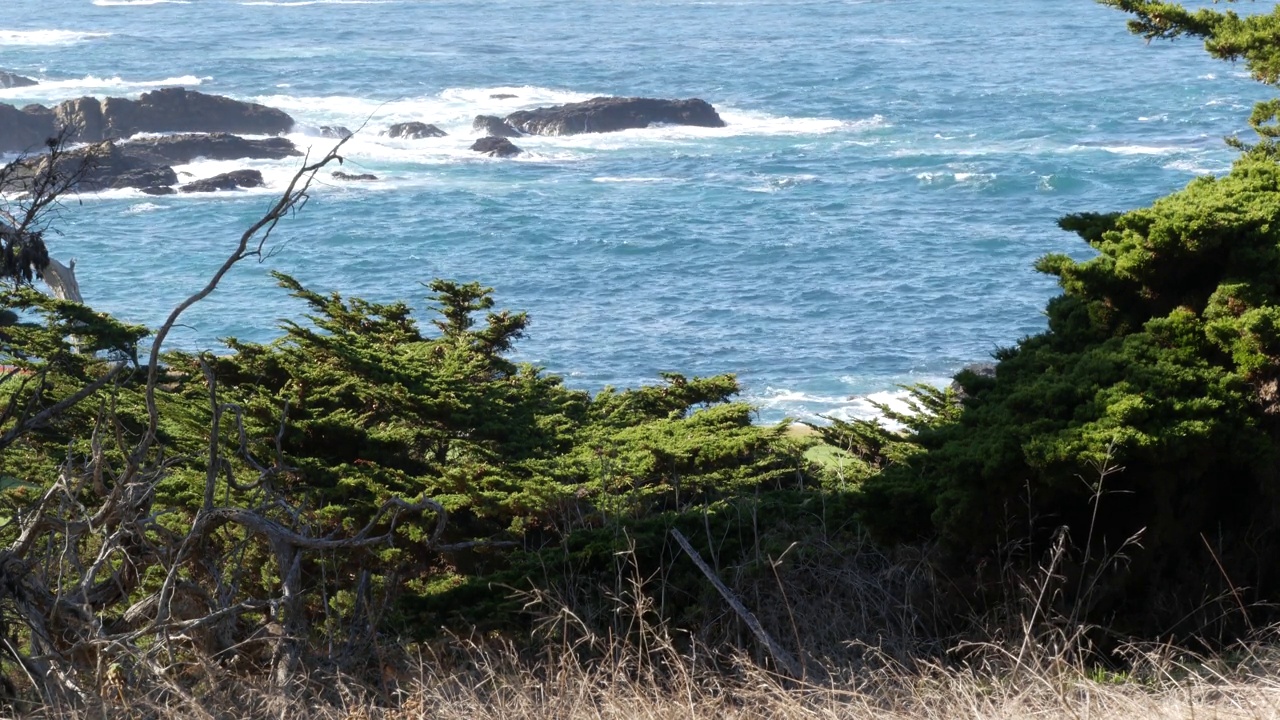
494,126
103,166
113,168
9,80
496,147
25,130
182,149
166,110
610,114
180,110
339,175
415,131
334,132
145,164
226,181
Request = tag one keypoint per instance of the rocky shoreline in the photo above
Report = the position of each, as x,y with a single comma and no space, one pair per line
185,125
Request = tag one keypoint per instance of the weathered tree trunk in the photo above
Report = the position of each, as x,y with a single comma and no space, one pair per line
61,279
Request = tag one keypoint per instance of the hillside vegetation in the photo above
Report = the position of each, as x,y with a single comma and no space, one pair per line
384,514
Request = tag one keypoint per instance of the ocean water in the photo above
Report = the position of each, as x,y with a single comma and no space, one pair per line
868,218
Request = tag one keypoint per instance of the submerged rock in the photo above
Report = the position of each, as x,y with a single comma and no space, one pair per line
501,96
492,125
335,132
496,147
9,80
610,114
415,131
182,149
226,181
339,175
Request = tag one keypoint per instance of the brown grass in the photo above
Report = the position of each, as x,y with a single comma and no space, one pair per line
496,682
638,667
860,621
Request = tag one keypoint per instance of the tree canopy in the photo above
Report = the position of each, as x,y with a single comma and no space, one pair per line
1142,427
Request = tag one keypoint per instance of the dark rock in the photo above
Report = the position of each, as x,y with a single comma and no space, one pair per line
501,96
180,110
335,132
610,114
226,181
110,167
167,110
415,131
101,166
182,149
494,126
496,147
84,117
27,129
9,80
339,175
165,190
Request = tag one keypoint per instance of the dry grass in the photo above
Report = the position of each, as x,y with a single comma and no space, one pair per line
659,674
475,682
858,620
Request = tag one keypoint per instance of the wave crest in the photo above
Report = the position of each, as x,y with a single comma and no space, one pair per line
47,37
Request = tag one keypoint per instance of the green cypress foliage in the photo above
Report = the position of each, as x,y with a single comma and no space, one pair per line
1145,421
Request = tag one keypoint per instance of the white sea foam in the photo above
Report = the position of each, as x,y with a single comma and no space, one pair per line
275,174
1128,149
1193,166
785,182
949,177
58,90
453,110
815,408
141,208
47,37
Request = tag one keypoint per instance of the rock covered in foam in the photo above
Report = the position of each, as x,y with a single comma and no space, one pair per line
335,132
496,147
611,114
494,126
415,131
233,180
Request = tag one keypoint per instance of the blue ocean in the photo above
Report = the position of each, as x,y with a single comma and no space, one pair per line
868,218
